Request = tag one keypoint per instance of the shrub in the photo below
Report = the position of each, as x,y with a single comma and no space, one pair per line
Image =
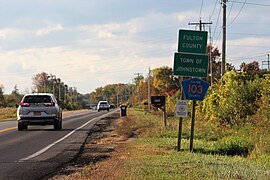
234,146
232,99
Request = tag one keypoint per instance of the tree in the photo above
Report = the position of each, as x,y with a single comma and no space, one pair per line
216,63
2,98
40,81
137,80
164,81
13,98
250,68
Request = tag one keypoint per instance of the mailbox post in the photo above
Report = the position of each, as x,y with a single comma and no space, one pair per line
160,102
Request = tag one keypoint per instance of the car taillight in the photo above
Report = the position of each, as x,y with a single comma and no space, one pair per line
24,104
49,104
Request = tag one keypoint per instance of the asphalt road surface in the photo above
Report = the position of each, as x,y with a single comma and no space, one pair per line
40,151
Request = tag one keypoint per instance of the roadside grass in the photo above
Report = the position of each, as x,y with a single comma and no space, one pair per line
219,152
7,114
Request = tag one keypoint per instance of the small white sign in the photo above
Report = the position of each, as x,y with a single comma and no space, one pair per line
182,108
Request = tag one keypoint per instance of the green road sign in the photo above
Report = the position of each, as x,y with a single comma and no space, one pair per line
192,41
194,65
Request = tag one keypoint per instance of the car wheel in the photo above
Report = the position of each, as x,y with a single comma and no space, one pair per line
21,127
98,110
60,124
108,110
57,125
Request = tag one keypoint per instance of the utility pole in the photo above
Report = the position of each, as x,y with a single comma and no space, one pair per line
138,75
149,89
200,24
210,56
267,62
194,101
223,61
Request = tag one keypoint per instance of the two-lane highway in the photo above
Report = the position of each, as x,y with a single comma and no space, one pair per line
39,151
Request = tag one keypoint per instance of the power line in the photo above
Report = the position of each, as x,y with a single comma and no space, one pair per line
237,13
245,57
230,10
201,9
217,25
213,10
249,46
255,4
249,34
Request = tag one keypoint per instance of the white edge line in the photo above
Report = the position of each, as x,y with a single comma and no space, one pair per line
66,136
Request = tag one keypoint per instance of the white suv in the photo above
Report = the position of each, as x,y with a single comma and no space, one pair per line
103,105
39,109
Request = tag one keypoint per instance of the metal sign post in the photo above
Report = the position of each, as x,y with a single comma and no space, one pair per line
180,122
191,60
192,125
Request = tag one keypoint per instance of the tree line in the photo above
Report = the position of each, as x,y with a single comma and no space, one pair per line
43,82
161,81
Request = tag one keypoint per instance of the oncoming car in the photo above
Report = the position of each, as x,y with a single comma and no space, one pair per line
39,109
103,105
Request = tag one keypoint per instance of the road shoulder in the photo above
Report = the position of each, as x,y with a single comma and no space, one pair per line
103,149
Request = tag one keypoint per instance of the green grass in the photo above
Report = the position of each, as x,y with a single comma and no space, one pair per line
219,153
195,166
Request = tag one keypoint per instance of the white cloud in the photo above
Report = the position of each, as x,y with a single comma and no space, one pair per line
186,16
9,32
49,29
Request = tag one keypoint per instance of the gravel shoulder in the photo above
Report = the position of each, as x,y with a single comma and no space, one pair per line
104,152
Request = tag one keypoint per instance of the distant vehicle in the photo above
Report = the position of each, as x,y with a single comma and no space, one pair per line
103,105
112,106
39,109
95,107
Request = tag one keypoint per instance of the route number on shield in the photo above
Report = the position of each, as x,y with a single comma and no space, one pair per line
195,89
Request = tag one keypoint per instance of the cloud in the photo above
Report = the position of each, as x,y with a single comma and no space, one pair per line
93,54
10,32
186,16
49,29
247,49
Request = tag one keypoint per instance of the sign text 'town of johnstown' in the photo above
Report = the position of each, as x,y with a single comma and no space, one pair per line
191,59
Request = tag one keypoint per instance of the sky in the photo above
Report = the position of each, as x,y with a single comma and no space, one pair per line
92,43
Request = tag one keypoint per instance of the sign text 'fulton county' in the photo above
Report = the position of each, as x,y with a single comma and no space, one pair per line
192,41
190,65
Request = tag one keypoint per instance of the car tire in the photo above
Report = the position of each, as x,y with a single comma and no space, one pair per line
60,124
21,127
57,125
98,110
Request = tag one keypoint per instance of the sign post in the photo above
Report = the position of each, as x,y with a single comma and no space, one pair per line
191,60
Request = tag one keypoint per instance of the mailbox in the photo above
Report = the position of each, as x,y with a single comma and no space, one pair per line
158,101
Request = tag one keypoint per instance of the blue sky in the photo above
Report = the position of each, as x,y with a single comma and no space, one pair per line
91,43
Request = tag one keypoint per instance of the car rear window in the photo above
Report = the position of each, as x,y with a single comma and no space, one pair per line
37,99
104,103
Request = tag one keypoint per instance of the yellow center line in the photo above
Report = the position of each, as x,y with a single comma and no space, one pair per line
7,129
